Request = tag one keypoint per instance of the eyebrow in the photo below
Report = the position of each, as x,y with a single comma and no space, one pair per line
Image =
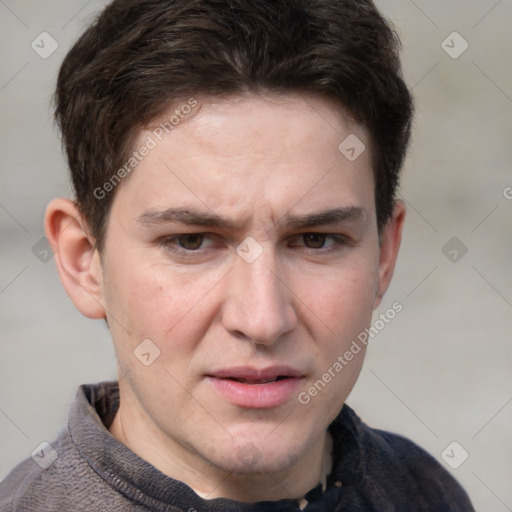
325,217
184,216
209,219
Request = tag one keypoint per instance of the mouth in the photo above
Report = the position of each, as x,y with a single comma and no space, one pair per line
253,388
259,381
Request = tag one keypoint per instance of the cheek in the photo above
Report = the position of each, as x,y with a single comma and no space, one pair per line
158,302
136,293
344,299
340,309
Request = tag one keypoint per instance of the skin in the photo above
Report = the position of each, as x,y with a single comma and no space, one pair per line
256,161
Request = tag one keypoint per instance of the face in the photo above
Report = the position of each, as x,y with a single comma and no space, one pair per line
244,246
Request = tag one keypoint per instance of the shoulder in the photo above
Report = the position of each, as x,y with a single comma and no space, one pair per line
14,484
395,468
31,476
71,472
417,464
61,479
44,480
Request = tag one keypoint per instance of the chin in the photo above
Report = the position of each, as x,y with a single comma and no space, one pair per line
251,459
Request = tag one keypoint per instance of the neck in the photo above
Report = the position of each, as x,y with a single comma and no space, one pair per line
133,428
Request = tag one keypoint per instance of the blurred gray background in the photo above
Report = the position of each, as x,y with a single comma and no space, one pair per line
439,372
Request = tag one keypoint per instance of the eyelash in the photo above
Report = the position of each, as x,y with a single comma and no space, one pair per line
170,243
338,241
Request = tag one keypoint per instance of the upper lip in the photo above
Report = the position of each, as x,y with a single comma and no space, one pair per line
255,374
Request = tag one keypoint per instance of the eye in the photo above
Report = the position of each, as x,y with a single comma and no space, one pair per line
187,243
191,242
317,241
314,240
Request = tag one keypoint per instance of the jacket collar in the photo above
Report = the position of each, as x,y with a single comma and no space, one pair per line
94,409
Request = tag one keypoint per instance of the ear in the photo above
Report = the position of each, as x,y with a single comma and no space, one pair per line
390,239
78,261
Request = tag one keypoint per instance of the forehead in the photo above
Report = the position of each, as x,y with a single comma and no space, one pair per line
252,153
241,125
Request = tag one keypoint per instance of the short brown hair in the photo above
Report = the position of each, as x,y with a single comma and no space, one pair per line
139,57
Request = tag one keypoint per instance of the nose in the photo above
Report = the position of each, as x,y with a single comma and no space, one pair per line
259,305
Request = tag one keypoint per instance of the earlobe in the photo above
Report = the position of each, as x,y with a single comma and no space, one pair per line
76,256
390,240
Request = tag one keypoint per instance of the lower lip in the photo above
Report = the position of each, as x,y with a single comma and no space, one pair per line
256,396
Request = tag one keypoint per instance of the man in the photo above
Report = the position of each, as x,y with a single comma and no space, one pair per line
235,166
